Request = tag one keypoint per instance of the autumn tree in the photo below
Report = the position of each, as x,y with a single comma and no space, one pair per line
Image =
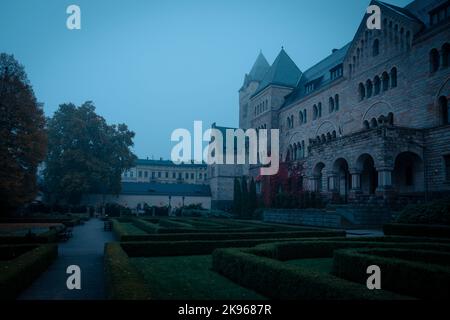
86,155
23,138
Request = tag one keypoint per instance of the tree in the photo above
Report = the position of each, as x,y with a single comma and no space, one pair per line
86,155
237,197
245,199
253,200
23,139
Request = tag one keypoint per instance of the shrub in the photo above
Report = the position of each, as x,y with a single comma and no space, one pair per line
278,280
435,212
46,237
418,230
19,273
418,273
123,281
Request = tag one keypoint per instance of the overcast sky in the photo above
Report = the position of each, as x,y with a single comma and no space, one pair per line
160,65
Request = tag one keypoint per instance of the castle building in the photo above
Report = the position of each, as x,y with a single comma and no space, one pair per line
372,119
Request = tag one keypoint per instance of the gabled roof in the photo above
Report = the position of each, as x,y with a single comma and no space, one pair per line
259,69
165,189
319,73
283,72
401,11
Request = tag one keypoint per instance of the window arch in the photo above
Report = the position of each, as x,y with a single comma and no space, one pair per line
444,110
390,119
376,85
434,60
305,119
362,92
300,117
385,79
394,77
369,87
373,123
376,47
330,105
320,109
336,102
366,125
315,112
445,54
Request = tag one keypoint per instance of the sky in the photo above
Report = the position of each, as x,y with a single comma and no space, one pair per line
159,65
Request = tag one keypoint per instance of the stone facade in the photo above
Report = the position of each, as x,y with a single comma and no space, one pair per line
370,121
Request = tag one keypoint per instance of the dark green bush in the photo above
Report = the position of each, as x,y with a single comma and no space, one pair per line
278,280
123,281
417,230
419,273
435,212
19,273
46,237
231,236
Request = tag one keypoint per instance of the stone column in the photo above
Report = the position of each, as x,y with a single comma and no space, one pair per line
356,184
385,187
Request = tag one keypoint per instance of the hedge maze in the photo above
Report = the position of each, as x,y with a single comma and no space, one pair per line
194,258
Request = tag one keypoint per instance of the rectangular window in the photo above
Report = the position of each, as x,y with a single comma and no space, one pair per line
174,175
192,176
159,174
186,176
146,174
153,175
140,174
447,167
167,174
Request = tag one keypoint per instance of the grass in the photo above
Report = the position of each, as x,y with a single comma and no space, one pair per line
189,277
321,265
130,228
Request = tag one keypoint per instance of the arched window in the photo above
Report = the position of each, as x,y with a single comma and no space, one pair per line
330,105
366,125
369,87
292,121
376,47
362,91
394,77
373,123
444,110
376,85
434,60
320,109
289,122
390,119
385,78
336,102
315,112
300,117
333,134
445,54
408,39
305,119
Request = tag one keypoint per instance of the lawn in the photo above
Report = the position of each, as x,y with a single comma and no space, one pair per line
189,277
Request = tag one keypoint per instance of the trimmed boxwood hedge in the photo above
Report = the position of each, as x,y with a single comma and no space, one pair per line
321,248
230,236
20,272
45,237
278,280
123,281
417,230
419,273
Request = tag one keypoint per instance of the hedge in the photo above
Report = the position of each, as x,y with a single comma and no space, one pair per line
147,226
19,273
427,278
191,247
122,280
418,230
45,237
230,236
277,280
324,248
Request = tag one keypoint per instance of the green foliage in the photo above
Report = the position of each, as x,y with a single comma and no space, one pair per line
435,212
281,281
23,139
418,273
20,272
86,155
123,281
417,230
